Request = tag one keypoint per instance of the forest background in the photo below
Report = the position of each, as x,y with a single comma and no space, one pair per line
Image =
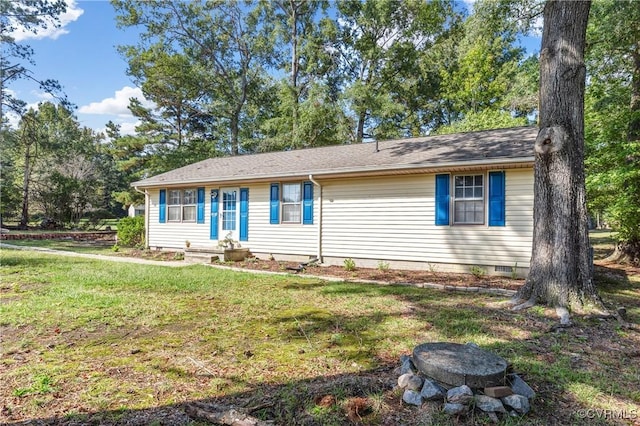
234,78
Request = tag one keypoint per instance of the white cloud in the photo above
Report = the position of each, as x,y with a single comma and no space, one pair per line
128,128
45,96
13,119
51,30
117,105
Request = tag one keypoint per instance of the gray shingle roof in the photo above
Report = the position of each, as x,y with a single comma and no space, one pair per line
502,146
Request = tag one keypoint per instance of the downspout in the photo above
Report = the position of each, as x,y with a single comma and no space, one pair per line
316,183
146,216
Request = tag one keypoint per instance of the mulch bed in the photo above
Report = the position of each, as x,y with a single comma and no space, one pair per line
391,276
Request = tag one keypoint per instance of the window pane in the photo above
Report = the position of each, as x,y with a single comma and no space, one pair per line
189,214
189,196
468,193
229,220
291,193
459,181
477,192
229,207
174,196
291,213
478,180
459,192
468,180
469,212
174,213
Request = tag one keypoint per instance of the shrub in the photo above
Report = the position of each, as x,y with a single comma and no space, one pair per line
383,266
349,264
131,231
477,271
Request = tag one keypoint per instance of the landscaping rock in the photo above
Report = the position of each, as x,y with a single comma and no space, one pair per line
415,383
520,387
412,397
493,417
519,403
407,365
460,395
455,364
432,391
498,391
453,408
403,380
489,404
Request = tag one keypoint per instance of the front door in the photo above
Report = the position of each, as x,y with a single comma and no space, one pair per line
230,219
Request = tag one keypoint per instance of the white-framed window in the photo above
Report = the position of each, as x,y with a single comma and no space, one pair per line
468,199
291,203
181,205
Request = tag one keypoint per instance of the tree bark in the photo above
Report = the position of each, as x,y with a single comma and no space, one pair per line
222,415
24,216
561,272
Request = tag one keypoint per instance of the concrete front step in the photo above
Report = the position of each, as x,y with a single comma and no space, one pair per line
192,255
198,255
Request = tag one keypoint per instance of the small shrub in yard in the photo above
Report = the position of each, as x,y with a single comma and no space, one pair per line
131,231
349,264
383,266
477,271
115,248
514,272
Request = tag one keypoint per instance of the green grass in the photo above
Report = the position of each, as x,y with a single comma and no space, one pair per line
602,242
85,336
91,247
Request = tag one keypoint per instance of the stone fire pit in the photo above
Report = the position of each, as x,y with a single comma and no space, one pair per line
455,364
464,377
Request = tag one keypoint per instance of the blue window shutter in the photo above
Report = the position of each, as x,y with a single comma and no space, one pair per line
496,199
307,203
442,200
244,214
200,208
274,217
213,234
163,206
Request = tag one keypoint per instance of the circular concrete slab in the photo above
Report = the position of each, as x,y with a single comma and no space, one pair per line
457,365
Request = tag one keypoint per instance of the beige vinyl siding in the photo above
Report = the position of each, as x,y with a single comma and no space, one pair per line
172,235
387,218
392,218
294,239
264,237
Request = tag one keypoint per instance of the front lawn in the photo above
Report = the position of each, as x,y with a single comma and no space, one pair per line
99,342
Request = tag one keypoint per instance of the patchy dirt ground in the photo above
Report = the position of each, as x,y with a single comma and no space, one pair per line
392,276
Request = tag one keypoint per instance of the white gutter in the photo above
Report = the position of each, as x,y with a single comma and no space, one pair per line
316,183
146,216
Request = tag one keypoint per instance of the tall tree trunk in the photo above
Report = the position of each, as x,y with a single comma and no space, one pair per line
235,131
295,63
634,126
560,273
362,117
24,216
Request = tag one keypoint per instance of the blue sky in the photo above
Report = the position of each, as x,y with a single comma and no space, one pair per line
82,56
